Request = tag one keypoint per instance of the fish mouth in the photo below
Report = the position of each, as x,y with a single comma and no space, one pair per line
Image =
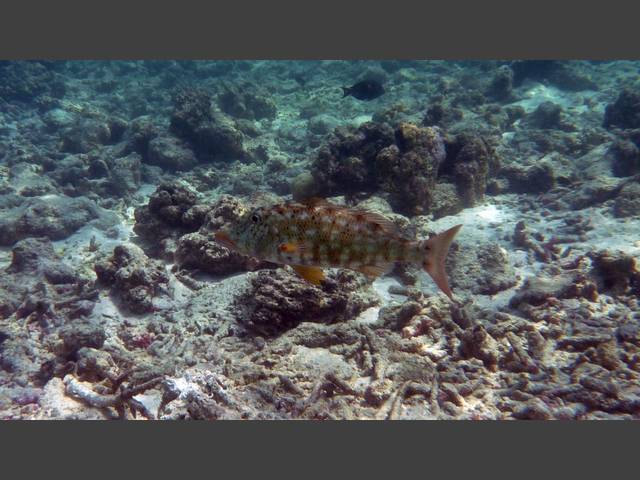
224,239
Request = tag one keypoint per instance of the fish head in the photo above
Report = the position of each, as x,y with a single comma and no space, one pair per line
245,233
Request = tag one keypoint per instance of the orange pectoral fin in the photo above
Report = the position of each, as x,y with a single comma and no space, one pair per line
224,239
288,247
292,247
313,275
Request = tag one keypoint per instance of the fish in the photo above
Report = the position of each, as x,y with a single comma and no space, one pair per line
364,90
316,234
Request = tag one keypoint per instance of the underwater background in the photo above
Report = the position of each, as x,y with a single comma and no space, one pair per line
116,301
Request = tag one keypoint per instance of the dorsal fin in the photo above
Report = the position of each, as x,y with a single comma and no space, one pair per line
318,202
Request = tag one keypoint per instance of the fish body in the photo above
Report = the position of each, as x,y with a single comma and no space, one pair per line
316,234
364,90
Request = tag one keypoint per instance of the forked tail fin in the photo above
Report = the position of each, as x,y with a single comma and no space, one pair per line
435,252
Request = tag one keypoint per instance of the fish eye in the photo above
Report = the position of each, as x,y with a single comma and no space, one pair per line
255,218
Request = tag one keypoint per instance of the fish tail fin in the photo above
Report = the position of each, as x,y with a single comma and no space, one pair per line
435,252
346,91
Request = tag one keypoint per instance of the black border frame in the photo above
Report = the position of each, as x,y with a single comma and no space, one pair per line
396,29
327,29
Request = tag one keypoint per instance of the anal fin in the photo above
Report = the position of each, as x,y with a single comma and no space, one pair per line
313,275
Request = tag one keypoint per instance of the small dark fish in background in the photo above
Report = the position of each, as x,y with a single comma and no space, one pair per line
364,90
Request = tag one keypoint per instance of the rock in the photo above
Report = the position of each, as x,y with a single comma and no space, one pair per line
210,136
402,165
87,134
246,101
303,187
477,343
446,200
538,178
27,180
108,173
501,87
588,193
607,355
35,256
25,81
322,124
624,112
170,153
171,212
627,203
374,74
438,115
469,162
625,158
566,76
124,175
548,115
629,332
198,252
81,335
395,317
614,272
483,270
56,218
407,171
345,164
278,301
38,282
133,278
534,409
143,130
219,141
537,290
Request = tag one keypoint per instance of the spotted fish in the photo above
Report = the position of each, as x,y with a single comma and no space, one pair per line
316,234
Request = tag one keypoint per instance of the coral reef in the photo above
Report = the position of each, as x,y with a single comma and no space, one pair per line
170,212
247,101
279,301
134,279
485,270
116,301
470,160
56,218
403,165
407,171
27,81
210,136
624,112
36,283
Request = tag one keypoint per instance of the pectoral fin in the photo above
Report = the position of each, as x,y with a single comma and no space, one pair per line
373,271
292,247
313,275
